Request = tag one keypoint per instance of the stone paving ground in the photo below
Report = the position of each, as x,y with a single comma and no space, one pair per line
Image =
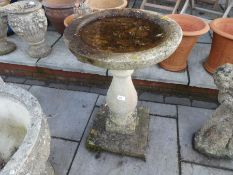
70,114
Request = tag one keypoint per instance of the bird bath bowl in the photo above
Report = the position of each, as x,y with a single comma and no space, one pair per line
122,40
24,133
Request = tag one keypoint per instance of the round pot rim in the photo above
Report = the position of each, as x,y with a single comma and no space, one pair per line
214,24
58,6
11,10
204,30
123,5
65,20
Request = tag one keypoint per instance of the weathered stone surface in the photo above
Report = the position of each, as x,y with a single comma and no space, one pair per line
28,20
62,59
67,111
191,169
206,38
32,154
178,100
215,138
161,154
61,155
160,109
35,82
25,86
15,80
134,144
191,120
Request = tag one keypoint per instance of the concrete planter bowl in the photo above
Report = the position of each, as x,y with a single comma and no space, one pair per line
24,133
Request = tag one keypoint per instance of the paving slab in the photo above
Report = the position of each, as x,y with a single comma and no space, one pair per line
160,109
206,38
158,74
25,86
62,59
204,104
178,100
67,111
61,155
191,169
19,56
190,120
161,157
15,80
199,77
147,96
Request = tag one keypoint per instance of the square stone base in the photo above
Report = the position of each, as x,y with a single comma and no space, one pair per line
134,144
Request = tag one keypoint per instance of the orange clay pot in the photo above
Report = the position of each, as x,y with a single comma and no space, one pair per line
96,5
222,44
68,20
192,28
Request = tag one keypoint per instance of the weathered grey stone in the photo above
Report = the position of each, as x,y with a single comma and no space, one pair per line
67,111
215,138
178,100
204,104
188,169
6,47
198,75
190,120
165,110
58,85
78,88
62,59
28,20
61,155
97,90
161,156
24,133
206,38
102,139
151,97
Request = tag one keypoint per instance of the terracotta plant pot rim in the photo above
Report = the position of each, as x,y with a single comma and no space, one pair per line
204,30
214,27
123,5
67,19
58,6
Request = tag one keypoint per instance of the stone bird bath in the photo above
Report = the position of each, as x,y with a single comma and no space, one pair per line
122,40
24,133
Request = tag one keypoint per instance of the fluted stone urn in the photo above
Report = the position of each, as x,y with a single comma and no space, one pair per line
122,40
5,46
215,138
27,19
24,133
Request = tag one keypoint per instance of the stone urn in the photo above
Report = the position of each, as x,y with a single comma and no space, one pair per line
222,45
57,11
192,27
122,40
215,138
27,19
5,46
24,133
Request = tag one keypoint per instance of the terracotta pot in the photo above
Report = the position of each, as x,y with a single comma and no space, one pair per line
222,44
192,28
4,2
57,11
106,4
68,20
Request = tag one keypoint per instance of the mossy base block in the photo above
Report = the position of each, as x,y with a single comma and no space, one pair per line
133,144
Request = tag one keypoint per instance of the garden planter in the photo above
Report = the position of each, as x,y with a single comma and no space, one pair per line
27,19
222,44
106,4
192,28
5,46
24,133
57,11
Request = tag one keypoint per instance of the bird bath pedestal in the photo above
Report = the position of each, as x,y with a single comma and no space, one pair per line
122,40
